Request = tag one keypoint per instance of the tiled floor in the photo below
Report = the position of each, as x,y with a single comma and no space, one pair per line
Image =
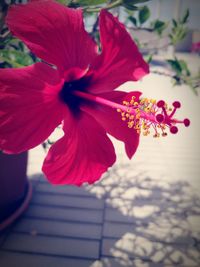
129,220
142,213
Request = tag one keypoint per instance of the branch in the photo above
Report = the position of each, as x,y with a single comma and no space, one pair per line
109,6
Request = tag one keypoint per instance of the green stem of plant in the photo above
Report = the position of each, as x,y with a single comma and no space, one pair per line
109,6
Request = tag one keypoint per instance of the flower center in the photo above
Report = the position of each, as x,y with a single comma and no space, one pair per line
68,96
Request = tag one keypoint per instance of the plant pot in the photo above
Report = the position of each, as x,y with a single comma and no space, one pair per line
15,190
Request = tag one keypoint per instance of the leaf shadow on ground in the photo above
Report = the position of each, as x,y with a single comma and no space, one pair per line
146,222
152,220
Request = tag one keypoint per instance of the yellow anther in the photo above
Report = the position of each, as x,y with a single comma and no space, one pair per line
144,127
137,116
156,135
147,132
135,119
130,124
153,101
125,103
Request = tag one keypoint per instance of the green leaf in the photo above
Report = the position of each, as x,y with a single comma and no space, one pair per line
91,2
16,58
133,2
10,62
174,22
141,1
21,46
180,67
184,67
159,26
133,20
64,2
148,58
185,16
130,7
178,32
175,65
144,14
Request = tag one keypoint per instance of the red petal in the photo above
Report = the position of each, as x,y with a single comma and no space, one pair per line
29,106
82,155
120,60
53,32
111,121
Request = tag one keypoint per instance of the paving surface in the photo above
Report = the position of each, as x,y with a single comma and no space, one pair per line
142,213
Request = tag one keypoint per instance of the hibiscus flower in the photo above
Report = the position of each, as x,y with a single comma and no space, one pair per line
74,86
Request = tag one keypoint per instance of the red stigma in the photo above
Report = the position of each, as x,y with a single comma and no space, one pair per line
186,122
173,129
160,103
176,104
159,118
